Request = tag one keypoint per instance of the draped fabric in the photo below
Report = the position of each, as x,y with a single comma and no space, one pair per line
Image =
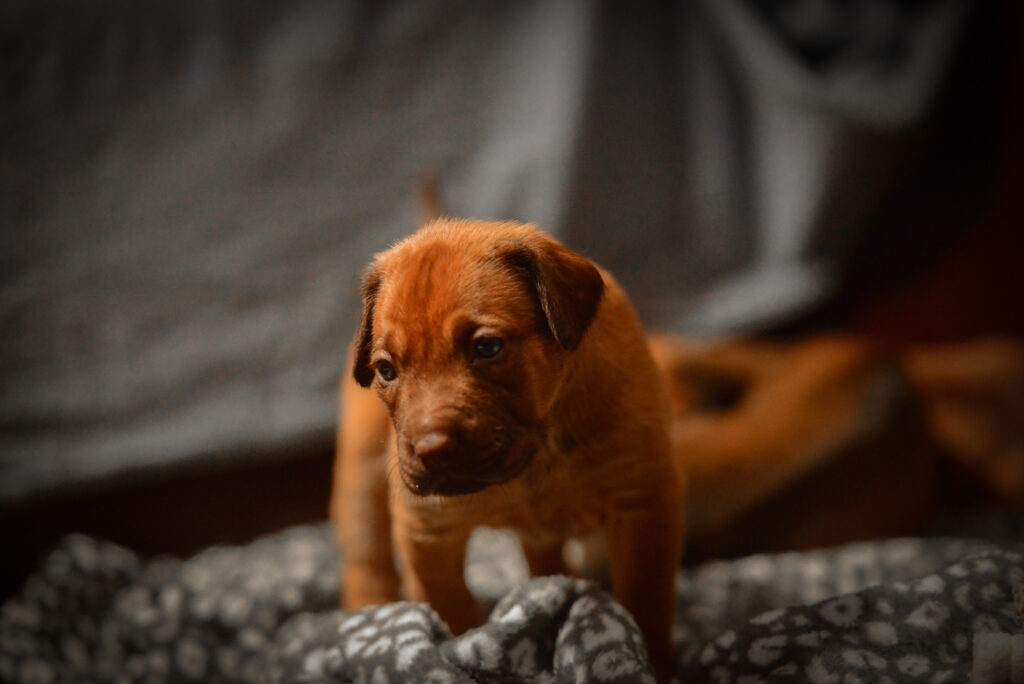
188,190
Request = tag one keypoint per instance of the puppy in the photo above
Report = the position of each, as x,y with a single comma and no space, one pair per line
514,389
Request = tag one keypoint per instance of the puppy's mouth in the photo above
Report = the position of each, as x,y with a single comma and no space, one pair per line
447,486
453,480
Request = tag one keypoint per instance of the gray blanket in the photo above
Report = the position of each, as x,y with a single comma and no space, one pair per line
899,610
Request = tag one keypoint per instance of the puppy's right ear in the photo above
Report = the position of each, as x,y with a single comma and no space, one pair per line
568,286
361,368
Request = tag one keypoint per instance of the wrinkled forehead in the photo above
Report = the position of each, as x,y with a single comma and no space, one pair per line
436,292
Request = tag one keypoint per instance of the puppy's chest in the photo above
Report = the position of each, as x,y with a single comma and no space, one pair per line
557,509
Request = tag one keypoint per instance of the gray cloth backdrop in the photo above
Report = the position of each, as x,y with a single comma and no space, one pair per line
188,190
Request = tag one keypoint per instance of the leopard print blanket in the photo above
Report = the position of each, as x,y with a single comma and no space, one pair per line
930,610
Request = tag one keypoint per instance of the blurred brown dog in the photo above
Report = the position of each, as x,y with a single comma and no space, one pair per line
795,444
833,438
515,388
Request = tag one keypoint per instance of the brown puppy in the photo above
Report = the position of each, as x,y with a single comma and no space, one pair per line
521,394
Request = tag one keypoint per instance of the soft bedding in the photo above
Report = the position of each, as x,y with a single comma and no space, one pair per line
921,609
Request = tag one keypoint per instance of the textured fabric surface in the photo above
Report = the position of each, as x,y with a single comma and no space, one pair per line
189,189
925,610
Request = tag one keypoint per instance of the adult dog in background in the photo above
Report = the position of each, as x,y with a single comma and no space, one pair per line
516,389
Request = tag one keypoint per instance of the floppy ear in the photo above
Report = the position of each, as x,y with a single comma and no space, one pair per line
361,369
567,286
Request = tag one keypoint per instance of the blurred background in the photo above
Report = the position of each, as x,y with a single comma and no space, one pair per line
189,190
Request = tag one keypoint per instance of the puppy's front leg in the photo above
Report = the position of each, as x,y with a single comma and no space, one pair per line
644,549
433,568
359,501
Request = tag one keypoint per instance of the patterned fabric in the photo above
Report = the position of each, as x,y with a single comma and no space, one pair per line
901,610
922,630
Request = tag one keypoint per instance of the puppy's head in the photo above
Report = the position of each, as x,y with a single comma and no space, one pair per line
464,334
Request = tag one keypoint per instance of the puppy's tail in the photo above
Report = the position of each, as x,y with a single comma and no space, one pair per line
431,205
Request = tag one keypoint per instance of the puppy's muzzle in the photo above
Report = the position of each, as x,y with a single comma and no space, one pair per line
445,461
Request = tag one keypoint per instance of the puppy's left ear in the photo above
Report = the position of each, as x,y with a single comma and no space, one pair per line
361,369
568,287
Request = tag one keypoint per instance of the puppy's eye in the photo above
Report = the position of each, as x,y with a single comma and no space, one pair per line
487,347
385,371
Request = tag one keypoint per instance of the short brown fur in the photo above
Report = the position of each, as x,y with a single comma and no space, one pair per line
564,433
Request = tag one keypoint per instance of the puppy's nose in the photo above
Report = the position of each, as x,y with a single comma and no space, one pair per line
433,446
